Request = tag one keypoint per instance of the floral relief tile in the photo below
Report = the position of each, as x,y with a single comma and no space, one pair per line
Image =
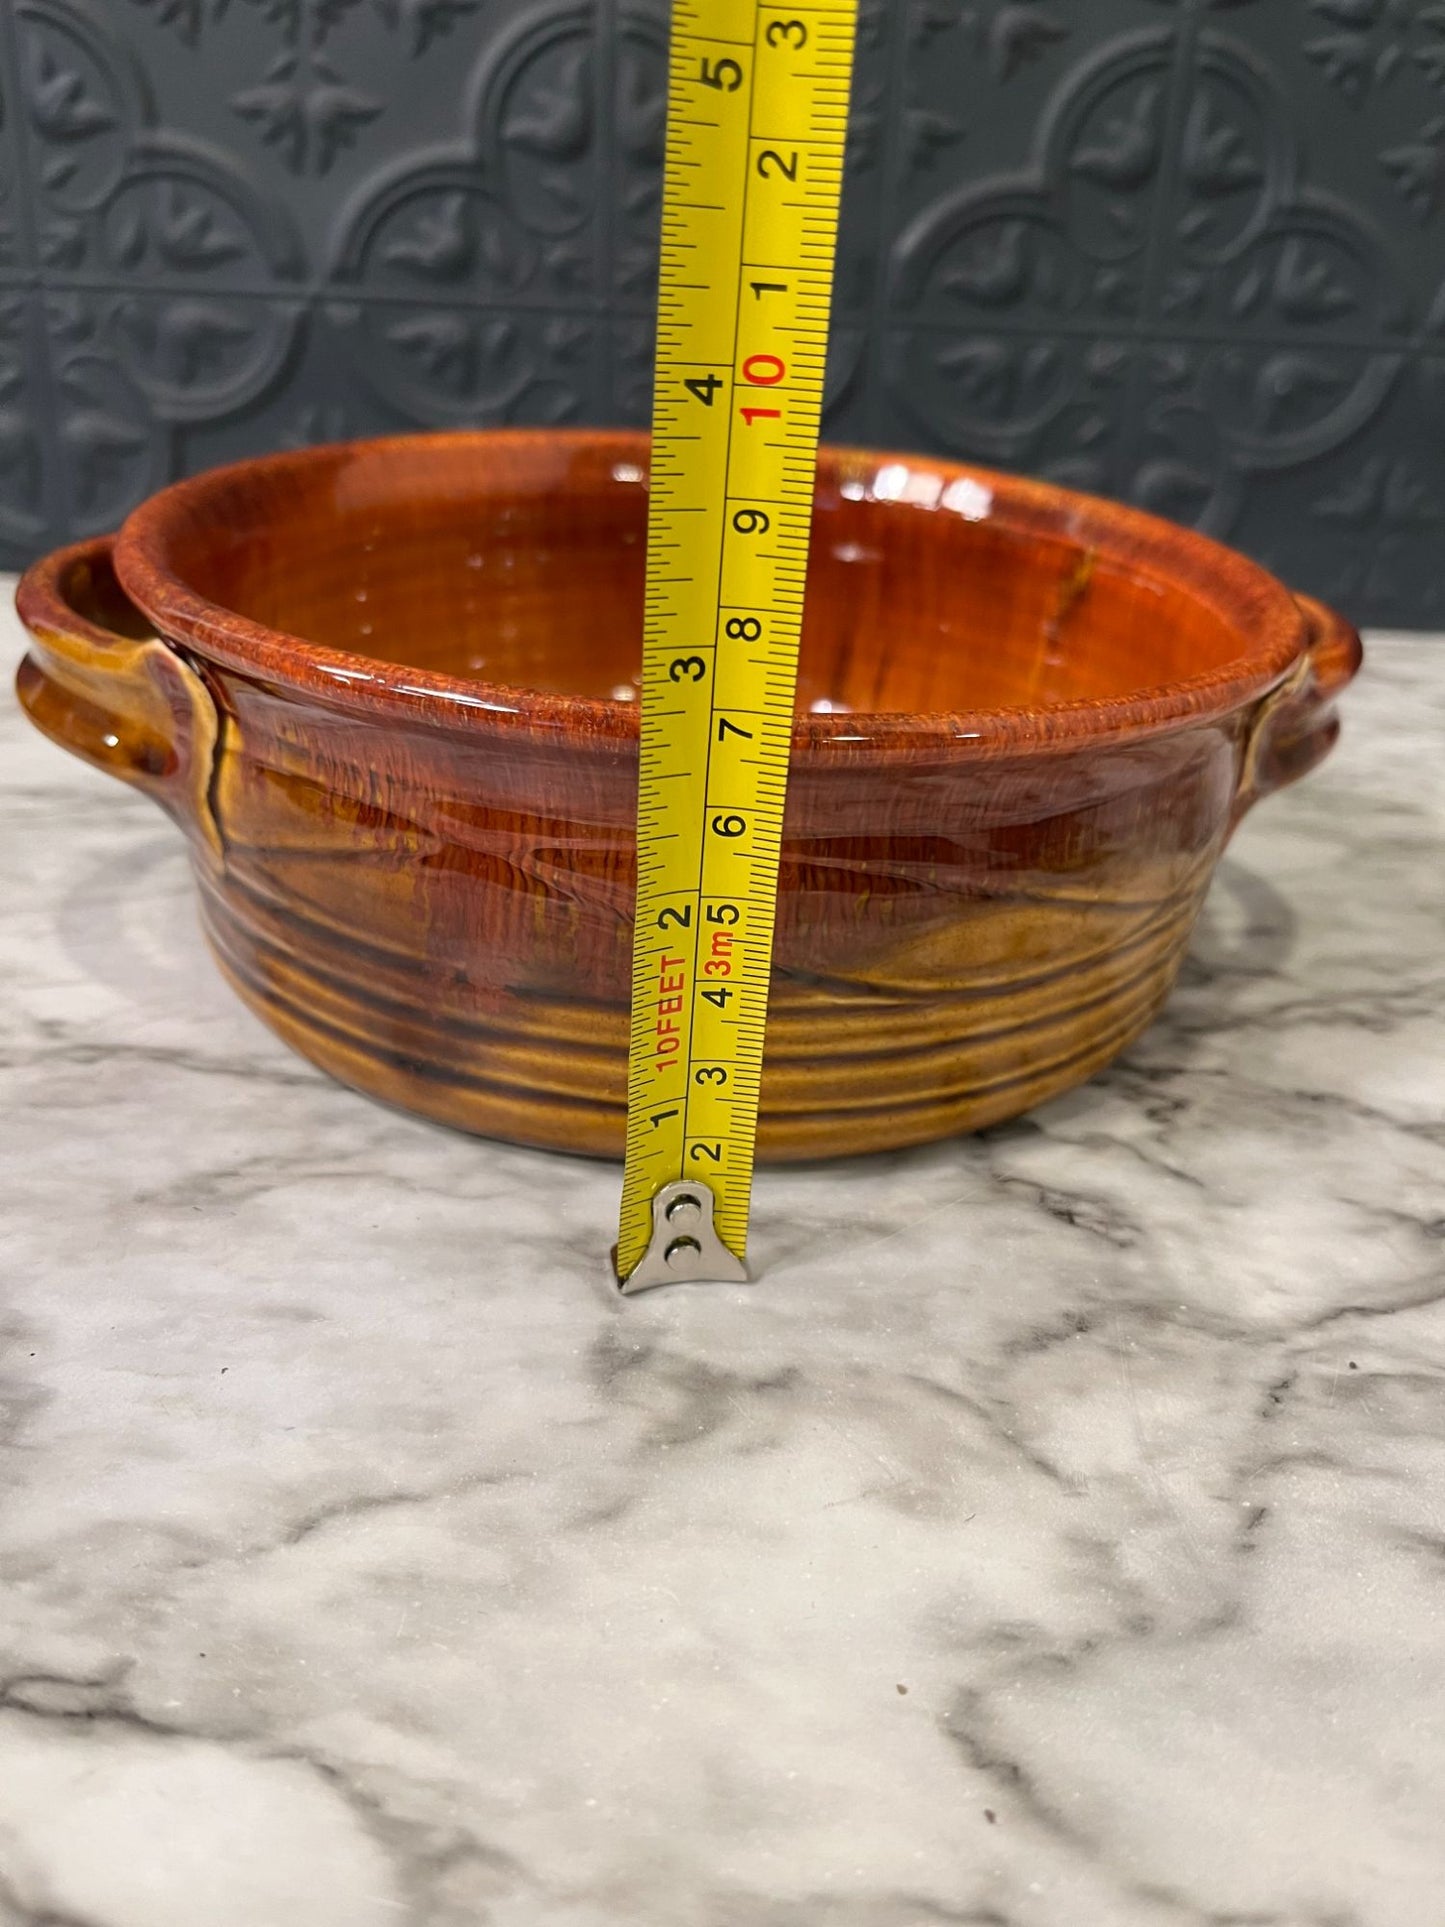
1184,252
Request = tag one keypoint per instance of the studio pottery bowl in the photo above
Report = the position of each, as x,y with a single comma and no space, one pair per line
386,689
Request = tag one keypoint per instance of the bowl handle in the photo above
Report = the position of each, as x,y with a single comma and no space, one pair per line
102,684
1295,726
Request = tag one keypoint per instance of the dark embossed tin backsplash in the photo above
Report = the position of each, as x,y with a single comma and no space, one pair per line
1190,254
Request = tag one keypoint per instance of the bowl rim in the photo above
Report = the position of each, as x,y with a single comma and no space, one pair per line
1254,603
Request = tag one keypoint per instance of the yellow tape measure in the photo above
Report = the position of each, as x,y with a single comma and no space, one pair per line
757,123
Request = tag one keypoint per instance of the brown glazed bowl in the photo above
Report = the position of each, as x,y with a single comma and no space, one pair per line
386,689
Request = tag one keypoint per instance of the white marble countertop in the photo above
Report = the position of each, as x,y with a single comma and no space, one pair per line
1055,1537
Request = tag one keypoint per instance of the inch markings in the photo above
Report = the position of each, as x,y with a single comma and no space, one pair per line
755,137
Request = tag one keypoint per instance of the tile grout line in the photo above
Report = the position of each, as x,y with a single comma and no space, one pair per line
876,415
56,506
606,107
1129,450
1139,330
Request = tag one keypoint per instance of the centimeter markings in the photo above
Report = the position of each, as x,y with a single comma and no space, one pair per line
757,120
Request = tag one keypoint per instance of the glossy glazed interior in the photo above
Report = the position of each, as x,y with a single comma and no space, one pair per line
521,564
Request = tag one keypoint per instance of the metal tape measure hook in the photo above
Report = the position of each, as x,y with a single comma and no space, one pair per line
685,1249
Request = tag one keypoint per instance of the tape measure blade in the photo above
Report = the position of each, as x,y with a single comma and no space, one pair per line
757,121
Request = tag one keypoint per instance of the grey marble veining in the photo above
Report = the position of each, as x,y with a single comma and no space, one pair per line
1054,1538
